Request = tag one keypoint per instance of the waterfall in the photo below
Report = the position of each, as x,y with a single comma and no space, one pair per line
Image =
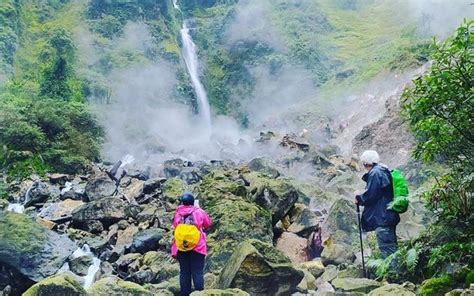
93,269
18,206
175,4
191,60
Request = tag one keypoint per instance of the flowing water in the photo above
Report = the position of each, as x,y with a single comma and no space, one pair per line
192,64
18,206
93,269
175,4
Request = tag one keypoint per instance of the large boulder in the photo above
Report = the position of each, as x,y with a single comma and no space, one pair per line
337,254
217,292
39,192
157,267
99,187
173,189
146,240
315,267
134,190
58,285
341,225
355,284
114,286
303,220
262,165
391,290
293,246
31,249
235,218
276,195
106,210
259,269
61,210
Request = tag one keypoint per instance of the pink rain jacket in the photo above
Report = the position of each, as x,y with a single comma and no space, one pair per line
202,221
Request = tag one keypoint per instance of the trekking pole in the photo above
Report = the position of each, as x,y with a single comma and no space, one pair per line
361,245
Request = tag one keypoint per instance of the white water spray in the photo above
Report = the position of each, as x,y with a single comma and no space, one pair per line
175,4
18,206
192,63
93,269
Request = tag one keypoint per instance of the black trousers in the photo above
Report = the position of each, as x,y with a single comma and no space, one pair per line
191,265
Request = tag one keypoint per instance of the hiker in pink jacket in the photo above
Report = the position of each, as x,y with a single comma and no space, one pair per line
191,263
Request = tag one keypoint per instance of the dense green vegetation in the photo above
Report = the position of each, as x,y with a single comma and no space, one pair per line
44,114
439,108
330,39
46,123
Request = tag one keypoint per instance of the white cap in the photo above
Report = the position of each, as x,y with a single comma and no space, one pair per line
369,157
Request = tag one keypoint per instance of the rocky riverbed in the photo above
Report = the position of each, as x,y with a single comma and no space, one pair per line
108,231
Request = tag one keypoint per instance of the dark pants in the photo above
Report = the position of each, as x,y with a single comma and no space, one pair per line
387,240
191,265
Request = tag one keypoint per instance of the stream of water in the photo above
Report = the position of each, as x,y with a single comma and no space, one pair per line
192,64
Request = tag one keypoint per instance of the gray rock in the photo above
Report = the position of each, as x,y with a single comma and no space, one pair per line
276,195
355,284
217,292
190,175
337,254
262,165
115,286
38,193
340,225
391,290
134,190
80,265
31,249
303,221
172,168
146,240
99,187
107,210
161,265
60,179
153,184
256,267
62,284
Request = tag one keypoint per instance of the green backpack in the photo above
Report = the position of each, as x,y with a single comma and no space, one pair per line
400,193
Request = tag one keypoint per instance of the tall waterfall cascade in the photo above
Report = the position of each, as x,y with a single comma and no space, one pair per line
192,64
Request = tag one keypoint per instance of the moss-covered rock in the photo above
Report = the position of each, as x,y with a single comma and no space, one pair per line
276,195
115,286
160,264
341,224
303,220
58,285
355,284
436,286
259,269
173,189
31,249
80,265
235,218
315,267
391,290
106,210
216,292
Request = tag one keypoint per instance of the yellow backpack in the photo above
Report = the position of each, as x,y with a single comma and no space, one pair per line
186,234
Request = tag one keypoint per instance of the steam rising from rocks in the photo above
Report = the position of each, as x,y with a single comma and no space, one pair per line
144,119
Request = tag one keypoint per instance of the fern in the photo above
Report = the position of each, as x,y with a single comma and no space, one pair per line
411,259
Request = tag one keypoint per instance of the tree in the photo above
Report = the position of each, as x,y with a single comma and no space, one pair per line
58,67
440,106
440,111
